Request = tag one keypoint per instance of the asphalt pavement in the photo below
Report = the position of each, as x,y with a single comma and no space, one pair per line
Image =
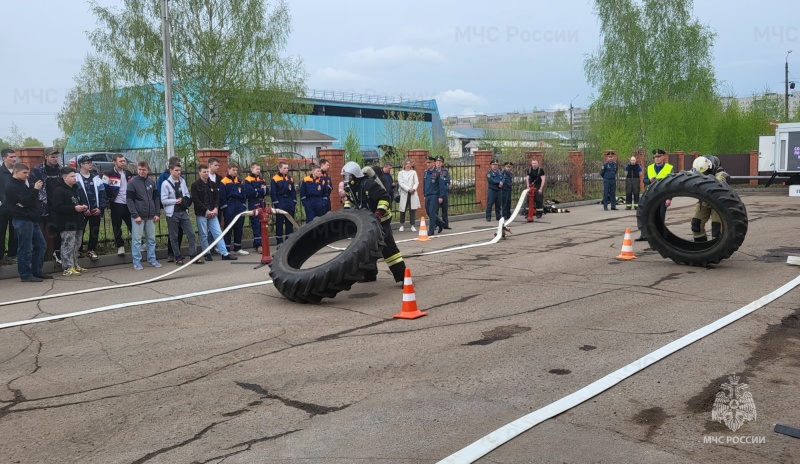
244,375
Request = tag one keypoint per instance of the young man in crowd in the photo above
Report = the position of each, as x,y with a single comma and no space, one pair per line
213,168
22,196
67,213
314,194
7,255
508,179
144,206
233,189
324,166
444,205
176,200
205,198
171,252
255,190
284,196
49,172
94,196
116,184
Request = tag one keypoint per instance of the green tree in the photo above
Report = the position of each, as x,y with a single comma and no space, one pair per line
651,53
352,147
406,130
231,85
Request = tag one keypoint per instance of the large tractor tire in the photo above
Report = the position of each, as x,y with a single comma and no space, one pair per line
719,195
357,263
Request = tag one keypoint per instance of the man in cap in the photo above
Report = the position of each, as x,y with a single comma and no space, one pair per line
434,186
495,179
444,173
655,172
609,175
49,172
508,178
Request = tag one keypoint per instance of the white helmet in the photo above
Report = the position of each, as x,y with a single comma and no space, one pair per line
351,169
702,165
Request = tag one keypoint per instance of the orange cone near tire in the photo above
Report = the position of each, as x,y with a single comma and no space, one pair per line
423,231
409,310
627,246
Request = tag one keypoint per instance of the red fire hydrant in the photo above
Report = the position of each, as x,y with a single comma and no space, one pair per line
531,207
263,216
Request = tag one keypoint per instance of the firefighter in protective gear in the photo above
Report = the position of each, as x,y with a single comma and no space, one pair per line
707,165
365,191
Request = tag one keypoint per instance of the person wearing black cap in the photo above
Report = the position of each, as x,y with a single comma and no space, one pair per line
49,172
609,175
495,180
445,175
655,172
433,186
508,178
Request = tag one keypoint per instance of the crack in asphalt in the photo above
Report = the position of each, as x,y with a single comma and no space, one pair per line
249,445
166,449
310,408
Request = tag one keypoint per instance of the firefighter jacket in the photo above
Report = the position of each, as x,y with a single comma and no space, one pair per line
255,190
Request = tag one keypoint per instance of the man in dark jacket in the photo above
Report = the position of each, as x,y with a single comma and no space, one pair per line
144,205
255,190
609,175
6,173
116,184
233,191
171,252
22,199
66,212
508,179
365,191
49,172
93,192
205,198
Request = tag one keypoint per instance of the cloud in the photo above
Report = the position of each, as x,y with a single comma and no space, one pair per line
559,107
392,56
461,98
329,75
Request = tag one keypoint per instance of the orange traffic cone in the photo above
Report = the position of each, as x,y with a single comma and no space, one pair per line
627,246
409,309
423,231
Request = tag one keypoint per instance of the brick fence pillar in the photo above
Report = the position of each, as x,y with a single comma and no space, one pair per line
483,160
754,166
641,160
222,154
681,163
576,172
30,156
335,157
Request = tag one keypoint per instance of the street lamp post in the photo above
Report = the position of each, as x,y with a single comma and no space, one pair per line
786,92
170,122
571,136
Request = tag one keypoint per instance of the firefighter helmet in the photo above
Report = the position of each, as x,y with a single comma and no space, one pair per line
351,169
703,165
714,163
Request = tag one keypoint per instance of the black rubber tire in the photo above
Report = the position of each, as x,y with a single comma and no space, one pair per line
356,263
718,195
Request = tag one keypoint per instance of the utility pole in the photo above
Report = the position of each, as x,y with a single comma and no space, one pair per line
786,92
571,136
170,122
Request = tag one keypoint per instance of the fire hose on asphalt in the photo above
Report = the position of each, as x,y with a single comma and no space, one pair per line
154,279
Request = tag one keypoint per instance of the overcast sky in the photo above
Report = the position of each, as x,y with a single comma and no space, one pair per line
473,57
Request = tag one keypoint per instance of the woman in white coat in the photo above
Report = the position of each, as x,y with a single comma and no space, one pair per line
408,182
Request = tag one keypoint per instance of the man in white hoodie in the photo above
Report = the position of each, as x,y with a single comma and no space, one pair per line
176,201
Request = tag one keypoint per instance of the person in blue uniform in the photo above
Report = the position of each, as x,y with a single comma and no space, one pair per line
495,179
508,178
609,175
236,201
444,173
284,196
255,190
315,192
324,166
434,187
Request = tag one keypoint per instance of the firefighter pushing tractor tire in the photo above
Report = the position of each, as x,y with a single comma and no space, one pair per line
357,263
706,188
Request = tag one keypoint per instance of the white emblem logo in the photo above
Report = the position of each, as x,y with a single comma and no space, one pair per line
734,405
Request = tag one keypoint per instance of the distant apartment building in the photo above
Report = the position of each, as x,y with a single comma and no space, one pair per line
505,120
772,104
